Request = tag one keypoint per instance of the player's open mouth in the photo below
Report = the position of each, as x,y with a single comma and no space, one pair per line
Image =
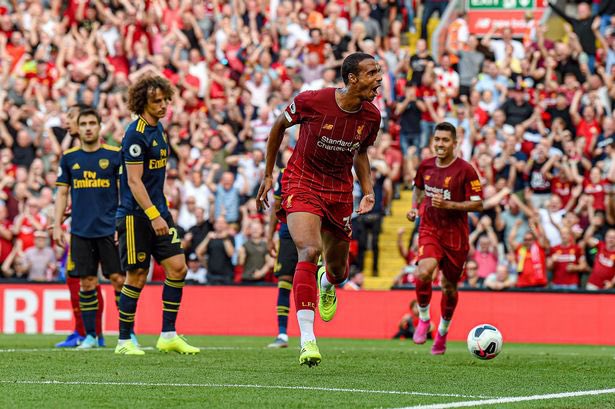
375,90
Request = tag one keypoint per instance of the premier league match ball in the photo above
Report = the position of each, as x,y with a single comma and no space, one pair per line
485,341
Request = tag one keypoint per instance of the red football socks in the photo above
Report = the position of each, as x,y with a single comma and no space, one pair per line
74,286
448,304
423,292
304,286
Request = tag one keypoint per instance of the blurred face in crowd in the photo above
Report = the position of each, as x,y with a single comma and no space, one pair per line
555,203
501,272
506,34
220,225
71,121
256,231
566,234
499,117
227,180
583,11
528,239
89,129
594,175
471,269
484,244
421,46
589,113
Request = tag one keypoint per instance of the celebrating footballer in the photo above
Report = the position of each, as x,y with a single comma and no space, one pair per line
446,188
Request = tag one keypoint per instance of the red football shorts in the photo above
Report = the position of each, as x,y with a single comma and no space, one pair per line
335,216
450,261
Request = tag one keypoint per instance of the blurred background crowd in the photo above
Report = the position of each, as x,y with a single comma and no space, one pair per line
534,115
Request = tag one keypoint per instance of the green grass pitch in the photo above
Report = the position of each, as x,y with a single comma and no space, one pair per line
239,372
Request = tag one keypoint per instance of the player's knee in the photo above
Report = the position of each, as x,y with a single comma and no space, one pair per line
89,283
178,273
117,279
423,273
309,253
448,288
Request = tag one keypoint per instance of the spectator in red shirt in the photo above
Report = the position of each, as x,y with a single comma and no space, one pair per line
602,276
567,262
530,255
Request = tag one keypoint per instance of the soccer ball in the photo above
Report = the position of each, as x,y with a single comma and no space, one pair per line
485,341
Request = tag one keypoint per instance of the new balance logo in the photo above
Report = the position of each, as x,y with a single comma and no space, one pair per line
76,166
328,127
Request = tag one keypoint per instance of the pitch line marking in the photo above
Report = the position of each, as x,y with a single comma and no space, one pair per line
101,349
232,385
496,401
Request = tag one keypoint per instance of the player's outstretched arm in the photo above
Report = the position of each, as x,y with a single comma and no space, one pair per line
137,188
362,168
276,135
60,208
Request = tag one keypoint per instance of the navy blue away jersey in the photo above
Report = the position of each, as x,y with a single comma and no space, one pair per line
92,178
144,145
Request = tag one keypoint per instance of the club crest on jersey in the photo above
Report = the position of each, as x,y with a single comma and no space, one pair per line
141,257
360,130
103,163
447,180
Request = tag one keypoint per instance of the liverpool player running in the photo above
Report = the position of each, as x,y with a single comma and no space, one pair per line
337,127
144,223
446,188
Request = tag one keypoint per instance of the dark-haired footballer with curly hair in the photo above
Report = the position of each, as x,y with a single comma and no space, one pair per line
144,224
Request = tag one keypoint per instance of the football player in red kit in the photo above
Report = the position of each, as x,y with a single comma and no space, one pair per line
446,188
337,127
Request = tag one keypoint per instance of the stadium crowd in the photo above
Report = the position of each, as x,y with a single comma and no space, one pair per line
535,118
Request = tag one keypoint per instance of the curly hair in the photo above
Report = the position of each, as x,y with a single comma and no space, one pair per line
143,89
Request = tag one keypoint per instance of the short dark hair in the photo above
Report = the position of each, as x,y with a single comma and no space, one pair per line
145,86
89,111
351,64
448,127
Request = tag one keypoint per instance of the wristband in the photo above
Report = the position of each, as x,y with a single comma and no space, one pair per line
152,213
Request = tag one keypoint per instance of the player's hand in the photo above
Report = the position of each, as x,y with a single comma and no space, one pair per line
262,201
367,204
58,236
438,202
273,251
412,214
160,226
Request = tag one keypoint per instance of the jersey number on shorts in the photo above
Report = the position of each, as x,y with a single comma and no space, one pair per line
175,238
347,225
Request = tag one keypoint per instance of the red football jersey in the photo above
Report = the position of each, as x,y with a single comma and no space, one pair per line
604,266
457,182
562,257
328,140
